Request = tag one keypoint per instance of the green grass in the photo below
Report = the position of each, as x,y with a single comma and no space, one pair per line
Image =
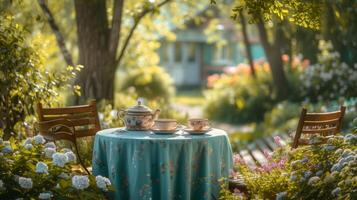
190,98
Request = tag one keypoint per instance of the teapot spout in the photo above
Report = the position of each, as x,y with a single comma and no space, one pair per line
156,114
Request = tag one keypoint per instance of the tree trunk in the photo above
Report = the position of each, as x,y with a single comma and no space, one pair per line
274,58
97,77
247,43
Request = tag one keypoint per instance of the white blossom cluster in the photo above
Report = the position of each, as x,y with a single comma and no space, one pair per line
102,182
80,182
329,79
25,183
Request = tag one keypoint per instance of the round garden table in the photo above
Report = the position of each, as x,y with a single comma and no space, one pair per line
143,165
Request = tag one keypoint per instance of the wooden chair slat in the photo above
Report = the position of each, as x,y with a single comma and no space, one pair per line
321,123
320,131
67,110
67,116
322,116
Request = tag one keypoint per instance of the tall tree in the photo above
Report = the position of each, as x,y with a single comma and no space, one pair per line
273,53
99,42
246,42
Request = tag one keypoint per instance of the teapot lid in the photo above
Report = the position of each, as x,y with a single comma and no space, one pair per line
139,108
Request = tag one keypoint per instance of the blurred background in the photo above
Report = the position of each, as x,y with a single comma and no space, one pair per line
249,74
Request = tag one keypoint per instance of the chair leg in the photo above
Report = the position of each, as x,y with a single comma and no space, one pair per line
79,158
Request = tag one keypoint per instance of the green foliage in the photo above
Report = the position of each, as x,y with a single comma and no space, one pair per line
23,158
238,97
151,82
303,13
329,79
23,78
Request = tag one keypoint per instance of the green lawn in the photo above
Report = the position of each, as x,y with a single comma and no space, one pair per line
190,97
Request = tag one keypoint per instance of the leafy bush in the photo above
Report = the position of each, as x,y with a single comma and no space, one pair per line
33,169
326,171
23,79
237,97
150,82
329,79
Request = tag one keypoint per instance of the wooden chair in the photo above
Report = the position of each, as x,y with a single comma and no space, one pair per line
69,123
318,123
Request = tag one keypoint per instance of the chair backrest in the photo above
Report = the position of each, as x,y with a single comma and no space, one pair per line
324,124
68,123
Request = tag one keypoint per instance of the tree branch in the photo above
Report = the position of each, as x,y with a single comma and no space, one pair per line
116,26
59,38
136,23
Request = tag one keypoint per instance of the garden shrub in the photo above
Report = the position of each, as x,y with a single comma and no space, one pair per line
317,171
151,82
239,98
329,79
33,169
23,78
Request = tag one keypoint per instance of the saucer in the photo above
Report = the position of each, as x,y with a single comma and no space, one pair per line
197,132
164,132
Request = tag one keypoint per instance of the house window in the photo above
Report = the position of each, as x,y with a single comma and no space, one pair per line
178,52
222,54
191,51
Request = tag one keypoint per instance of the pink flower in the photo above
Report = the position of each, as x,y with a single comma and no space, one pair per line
267,155
237,159
277,141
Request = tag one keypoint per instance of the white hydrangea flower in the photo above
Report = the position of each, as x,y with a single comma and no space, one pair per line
25,183
80,182
50,145
7,143
28,146
28,141
39,139
59,159
1,184
41,168
102,182
71,157
49,152
45,195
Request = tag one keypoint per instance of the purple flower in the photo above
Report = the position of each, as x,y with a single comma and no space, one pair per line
267,154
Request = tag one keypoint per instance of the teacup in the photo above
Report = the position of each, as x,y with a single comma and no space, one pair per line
198,124
165,124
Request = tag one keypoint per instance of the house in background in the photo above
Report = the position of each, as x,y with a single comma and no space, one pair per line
191,57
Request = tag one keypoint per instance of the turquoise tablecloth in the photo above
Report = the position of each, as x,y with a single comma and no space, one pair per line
142,165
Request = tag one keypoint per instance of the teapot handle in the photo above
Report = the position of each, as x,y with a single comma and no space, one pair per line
156,113
121,115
